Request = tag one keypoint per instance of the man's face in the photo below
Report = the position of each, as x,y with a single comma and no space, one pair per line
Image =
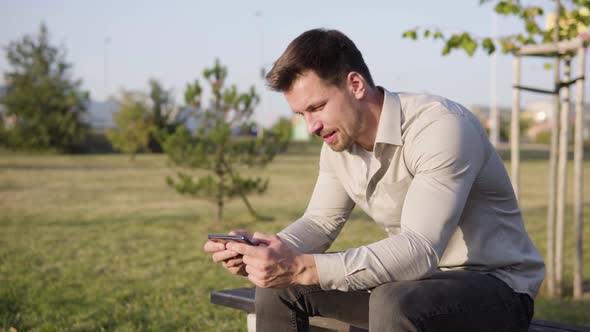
330,112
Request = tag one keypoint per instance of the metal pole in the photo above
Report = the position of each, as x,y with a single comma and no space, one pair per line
260,130
107,42
562,177
515,127
579,175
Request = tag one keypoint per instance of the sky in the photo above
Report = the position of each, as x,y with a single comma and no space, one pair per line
122,44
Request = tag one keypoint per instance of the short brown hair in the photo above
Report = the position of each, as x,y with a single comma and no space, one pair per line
329,53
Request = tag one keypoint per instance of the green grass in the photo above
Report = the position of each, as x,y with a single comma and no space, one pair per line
93,243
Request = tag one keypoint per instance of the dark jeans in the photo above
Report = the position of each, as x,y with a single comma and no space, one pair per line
446,301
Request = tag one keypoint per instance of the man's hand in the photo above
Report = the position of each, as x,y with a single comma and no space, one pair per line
230,260
274,263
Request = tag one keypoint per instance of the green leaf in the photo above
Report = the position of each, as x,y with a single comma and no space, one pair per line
547,65
446,49
426,33
468,44
502,7
488,45
410,34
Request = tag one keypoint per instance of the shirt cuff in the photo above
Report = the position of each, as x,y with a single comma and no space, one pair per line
331,271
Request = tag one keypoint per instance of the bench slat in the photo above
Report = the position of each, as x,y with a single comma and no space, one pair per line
238,298
243,299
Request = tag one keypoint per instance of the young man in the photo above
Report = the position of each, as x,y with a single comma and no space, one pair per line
457,257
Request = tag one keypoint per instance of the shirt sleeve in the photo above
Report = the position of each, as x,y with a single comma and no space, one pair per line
326,214
445,156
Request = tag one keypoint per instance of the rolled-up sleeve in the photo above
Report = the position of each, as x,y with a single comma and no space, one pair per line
445,155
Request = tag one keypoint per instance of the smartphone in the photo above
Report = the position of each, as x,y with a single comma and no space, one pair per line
225,238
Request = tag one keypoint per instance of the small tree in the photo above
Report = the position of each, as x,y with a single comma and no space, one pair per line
282,132
573,21
213,148
570,21
134,125
46,103
164,113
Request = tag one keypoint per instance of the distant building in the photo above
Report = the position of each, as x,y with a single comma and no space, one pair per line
540,114
99,114
299,130
483,113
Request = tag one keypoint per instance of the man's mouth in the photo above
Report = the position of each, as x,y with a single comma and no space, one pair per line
329,137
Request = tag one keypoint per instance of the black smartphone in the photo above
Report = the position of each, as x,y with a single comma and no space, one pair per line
225,238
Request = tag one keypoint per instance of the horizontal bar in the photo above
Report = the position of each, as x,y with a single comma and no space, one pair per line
572,81
526,88
549,49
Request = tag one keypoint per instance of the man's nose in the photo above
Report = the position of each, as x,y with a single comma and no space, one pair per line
314,126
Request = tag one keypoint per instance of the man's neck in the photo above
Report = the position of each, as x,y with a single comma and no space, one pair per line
373,106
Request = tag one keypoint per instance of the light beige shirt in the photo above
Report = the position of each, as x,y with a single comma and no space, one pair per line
438,188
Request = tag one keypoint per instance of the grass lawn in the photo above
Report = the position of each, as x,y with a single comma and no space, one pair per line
93,243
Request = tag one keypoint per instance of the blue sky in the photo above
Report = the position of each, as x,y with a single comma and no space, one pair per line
174,40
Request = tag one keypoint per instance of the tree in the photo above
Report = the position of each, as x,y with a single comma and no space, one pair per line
569,22
574,19
134,124
214,149
282,132
164,113
47,104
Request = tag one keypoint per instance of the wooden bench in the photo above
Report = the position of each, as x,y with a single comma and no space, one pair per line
243,299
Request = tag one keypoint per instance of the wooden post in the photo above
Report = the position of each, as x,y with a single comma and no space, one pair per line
562,178
553,185
515,127
550,262
579,174
552,181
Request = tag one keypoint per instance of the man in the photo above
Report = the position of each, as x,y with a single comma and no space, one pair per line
457,257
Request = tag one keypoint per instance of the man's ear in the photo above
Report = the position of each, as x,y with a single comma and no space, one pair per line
356,84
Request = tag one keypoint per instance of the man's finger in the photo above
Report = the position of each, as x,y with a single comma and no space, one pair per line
221,256
233,262
254,261
236,270
246,249
256,280
265,238
212,246
258,273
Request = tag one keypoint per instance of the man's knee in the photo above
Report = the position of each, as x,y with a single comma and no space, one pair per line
270,297
392,305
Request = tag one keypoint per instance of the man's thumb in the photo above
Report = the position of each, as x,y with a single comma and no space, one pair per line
264,238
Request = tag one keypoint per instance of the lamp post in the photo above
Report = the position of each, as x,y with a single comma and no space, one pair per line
107,42
259,15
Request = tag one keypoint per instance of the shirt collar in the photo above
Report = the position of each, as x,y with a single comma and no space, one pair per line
389,130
